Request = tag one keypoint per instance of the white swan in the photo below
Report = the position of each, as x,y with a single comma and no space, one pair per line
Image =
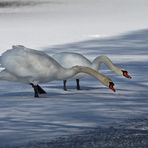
69,59
32,67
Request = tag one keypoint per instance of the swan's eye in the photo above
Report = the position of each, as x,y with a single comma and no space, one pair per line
111,86
125,74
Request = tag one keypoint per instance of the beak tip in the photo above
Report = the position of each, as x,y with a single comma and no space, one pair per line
114,90
129,77
111,86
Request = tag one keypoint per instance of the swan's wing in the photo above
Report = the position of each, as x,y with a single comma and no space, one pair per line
69,59
27,62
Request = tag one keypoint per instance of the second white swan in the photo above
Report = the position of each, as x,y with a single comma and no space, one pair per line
69,59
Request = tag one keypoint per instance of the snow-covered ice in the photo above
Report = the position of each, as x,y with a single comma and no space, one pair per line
38,24
25,119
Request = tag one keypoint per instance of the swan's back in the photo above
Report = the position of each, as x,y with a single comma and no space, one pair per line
69,59
25,62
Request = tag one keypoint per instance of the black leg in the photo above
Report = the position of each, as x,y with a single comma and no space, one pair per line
78,84
64,83
41,90
36,93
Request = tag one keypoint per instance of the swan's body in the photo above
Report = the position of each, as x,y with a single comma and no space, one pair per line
33,67
69,59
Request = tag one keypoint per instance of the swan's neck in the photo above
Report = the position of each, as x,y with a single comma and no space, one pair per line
104,59
102,78
66,73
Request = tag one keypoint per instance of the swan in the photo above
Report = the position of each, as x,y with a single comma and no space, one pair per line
69,59
32,67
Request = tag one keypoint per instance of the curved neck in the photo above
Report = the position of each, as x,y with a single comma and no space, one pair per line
81,69
65,73
104,59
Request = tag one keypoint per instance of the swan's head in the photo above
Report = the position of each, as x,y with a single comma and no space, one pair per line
109,83
126,74
111,86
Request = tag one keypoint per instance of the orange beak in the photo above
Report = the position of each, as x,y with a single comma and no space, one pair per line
111,86
125,74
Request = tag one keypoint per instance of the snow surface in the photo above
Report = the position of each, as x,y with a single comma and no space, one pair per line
25,119
37,23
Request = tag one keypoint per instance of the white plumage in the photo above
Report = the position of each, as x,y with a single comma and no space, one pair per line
33,67
69,59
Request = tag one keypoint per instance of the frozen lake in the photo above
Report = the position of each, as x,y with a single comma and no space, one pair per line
24,119
93,115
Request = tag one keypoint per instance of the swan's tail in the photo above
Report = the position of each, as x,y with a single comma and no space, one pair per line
4,75
0,62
